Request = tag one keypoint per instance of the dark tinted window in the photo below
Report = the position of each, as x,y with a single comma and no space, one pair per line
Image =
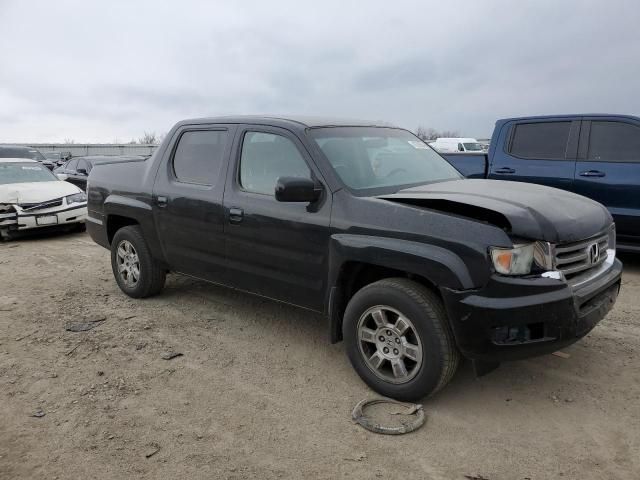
199,156
21,152
545,140
265,158
614,141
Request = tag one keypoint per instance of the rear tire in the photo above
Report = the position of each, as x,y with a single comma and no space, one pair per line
398,339
137,273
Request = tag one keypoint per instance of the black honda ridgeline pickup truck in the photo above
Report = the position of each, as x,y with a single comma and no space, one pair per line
412,265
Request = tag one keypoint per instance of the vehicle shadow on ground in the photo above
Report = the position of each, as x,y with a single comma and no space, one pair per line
631,262
539,376
36,236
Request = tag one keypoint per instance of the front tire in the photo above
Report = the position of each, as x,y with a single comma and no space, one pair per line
137,273
398,339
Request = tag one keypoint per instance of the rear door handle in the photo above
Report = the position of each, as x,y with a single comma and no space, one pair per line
504,170
162,201
592,173
235,215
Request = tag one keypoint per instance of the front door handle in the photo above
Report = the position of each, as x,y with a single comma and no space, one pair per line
162,201
505,170
592,173
235,215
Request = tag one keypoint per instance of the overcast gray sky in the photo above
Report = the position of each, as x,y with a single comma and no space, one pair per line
99,71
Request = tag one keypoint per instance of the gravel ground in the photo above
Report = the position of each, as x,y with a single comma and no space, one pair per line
259,392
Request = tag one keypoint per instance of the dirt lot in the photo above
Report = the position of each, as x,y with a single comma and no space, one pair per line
259,392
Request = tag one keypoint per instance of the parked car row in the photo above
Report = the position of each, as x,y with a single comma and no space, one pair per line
32,197
50,160
77,169
58,158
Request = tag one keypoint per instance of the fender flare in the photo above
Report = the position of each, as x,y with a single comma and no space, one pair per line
137,210
441,267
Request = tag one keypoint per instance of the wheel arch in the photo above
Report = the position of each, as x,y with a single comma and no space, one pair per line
121,211
357,261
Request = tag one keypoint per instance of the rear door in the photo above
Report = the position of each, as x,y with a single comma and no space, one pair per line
537,151
608,170
187,198
275,249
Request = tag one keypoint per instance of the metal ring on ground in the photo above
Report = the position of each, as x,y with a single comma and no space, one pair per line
413,409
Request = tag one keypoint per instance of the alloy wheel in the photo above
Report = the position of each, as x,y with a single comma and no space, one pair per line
128,263
389,344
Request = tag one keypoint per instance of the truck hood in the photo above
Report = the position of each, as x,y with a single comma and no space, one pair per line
522,209
35,192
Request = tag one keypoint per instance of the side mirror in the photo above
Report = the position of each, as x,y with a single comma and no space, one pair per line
81,171
62,176
297,189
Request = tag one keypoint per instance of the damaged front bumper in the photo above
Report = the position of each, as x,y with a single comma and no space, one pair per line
15,218
518,317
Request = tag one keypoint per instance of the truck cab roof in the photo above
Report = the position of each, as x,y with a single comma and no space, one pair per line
568,115
293,121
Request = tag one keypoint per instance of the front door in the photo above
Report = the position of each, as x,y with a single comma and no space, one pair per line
275,249
541,152
187,198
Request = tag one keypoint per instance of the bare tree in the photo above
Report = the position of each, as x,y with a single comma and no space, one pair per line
430,134
69,141
149,138
449,134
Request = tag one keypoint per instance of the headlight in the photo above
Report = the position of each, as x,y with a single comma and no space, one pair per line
76,198
519,259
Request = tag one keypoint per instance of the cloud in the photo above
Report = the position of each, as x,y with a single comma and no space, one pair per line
95,71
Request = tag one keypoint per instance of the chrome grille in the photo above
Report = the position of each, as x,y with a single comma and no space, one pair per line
27,207
575,257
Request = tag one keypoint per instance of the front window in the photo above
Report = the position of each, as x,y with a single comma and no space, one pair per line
24,173
267,157
473,147
381,158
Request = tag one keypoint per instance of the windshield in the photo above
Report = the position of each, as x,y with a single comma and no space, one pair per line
375,157
473,147
24,173
21,152
52,155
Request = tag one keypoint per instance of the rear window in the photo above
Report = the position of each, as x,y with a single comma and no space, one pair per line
545,140
614,142
198,157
